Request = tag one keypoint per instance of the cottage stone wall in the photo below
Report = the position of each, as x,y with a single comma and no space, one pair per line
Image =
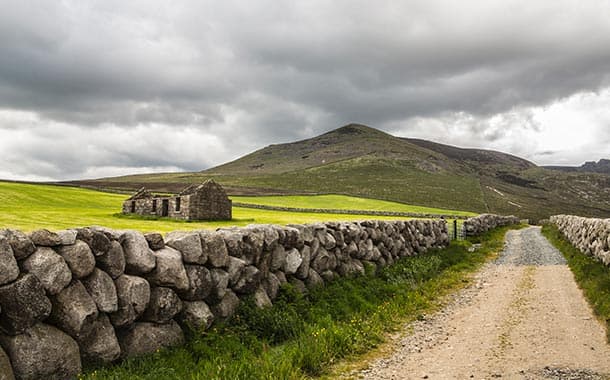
591,236
485,222
100,295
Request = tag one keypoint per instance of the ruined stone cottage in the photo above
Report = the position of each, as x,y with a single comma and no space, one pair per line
207,201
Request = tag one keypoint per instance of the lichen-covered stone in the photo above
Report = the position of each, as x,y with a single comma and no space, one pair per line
147,337
113,261
220,284
169,271
45,238
235,267
133,295
164,304
79,258
196,315
42,352
6,370
103,291
271,285
155,241
293,261
261,299
67,237
50,268
303,269
139,259
100,345
189,244
200,283
73,310
9,270
214,248
20,243
249,280
23,304
226,307
278,258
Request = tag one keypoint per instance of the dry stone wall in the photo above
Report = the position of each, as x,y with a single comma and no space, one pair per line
485,222
591,236
99,295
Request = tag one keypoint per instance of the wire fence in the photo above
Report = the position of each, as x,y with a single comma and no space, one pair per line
456,232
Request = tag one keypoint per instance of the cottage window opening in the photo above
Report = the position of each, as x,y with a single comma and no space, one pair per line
178,204
154,205
133,206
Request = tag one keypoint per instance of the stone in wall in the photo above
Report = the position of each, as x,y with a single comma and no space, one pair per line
147,337
23,304
139,258
42,352
50,268
9,270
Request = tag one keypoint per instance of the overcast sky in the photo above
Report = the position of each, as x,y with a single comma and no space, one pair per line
101,88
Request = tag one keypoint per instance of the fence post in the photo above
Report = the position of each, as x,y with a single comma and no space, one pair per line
455,231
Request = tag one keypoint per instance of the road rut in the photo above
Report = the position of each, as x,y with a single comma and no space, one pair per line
523,318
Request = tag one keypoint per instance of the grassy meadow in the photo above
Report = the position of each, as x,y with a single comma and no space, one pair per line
32,206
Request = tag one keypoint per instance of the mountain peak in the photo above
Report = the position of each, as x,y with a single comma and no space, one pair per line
355,129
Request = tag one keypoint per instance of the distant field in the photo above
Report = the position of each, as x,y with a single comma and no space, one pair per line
343,202
28,207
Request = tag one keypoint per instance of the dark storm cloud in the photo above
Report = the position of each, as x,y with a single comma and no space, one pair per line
250,73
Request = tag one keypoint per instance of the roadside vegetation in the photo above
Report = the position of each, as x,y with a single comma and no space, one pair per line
592,276
304,336
28,207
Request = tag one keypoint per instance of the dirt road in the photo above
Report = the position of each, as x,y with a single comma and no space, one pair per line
524,318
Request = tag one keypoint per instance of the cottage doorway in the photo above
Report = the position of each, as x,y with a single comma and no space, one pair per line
164,207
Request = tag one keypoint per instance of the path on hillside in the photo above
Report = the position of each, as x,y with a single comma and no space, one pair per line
523,318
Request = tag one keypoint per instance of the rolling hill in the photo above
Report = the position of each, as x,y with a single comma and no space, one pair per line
362,161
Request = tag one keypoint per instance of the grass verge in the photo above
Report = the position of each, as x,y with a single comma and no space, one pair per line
303,336
592,276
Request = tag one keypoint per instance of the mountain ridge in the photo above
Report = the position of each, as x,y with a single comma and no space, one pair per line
362,161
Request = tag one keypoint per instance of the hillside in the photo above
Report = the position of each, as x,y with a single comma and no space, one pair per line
362,161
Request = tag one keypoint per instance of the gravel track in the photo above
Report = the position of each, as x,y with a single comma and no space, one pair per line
522,318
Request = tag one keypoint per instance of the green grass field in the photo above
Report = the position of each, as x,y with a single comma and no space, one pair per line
342,202
28,207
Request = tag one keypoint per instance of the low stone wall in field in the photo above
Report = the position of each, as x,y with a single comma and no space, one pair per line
591,236
99,295
485,222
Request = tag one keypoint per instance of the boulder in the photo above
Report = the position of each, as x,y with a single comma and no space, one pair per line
261,299
9,270
196,315
278,258
67,237
169,271
139,259
6,370
103,291
303,270
220,284
249,280
298,285
100,345
200,283
313,280
133,295
226,307
113,261
21,244
323,261
50,268
147,337
155,241
79,258
42,352
271,285
234,268
73,310
45,238
164,304
214,248
189,244
23,304
293,261
97,239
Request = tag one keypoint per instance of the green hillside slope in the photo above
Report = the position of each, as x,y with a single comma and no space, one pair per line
362,161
